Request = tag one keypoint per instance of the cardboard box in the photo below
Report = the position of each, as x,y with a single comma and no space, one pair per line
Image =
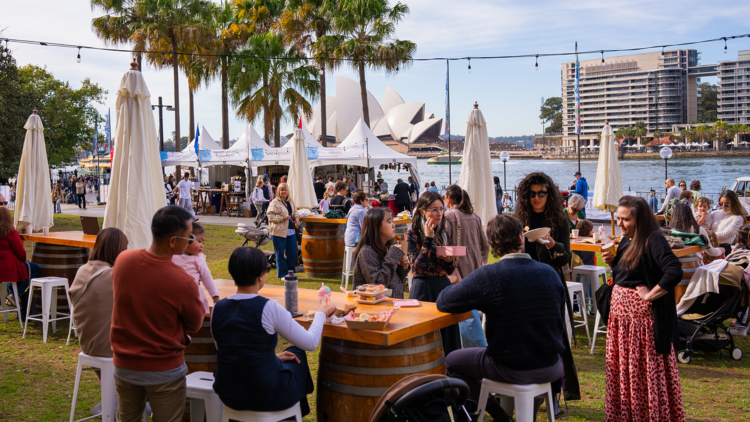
451,250
247,213
211,210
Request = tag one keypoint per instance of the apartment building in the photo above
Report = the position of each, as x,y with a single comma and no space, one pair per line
654,88
734,89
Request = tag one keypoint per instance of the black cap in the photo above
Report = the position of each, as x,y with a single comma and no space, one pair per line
578,173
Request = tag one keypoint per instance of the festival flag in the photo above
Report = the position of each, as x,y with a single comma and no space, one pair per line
447,102
108,131
195,141
577,92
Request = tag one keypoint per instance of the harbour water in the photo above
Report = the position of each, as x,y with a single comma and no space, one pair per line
637,175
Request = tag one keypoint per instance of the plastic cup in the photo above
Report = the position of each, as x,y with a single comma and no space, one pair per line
596,237
45,231
575,232
28,230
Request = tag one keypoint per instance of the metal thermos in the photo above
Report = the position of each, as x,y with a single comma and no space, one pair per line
290,292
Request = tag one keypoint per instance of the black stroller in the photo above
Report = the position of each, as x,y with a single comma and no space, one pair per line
424,397
701,326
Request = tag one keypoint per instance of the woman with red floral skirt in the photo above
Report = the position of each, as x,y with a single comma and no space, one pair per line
643,383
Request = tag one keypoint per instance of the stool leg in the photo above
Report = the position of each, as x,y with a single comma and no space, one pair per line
3,305
46,292
28,308
18,301
524,408
214,409
584,312
70,316
298,413
53,307
109,393
482,405
596,330
75,388
197,410
550,406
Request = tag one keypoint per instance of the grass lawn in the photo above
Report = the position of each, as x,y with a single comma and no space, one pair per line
36,380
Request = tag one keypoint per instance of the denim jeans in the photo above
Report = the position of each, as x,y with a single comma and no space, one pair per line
286,254
57,206
472,334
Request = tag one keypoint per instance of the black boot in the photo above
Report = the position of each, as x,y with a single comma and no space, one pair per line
496,411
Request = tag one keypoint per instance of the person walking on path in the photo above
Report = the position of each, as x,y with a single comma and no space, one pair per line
498,195
57,197
185,189
642,379
673,192
283,223
582,188
653,201
258,198
156,303
81,189
464,228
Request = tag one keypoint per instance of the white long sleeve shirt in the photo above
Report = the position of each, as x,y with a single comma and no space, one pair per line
276,319
725,225
257,196
672,193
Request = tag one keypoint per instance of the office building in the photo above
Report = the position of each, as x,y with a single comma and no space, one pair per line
734,90
659,89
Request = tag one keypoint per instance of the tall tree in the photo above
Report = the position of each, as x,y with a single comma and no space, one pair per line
303,22
279,85
551,113
364,38
119,24
708,95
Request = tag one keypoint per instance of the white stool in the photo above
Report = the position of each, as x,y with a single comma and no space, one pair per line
49,305
250,416
577,289
590,275
598,329
522,396
203,399
108,384
5,309
347,271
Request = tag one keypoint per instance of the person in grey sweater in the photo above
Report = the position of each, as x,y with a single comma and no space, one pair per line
377,260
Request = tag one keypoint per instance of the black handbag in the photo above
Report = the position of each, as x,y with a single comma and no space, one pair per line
603,298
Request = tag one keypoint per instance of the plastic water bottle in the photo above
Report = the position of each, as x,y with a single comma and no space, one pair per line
290,292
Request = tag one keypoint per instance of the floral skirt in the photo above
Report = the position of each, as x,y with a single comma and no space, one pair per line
642,385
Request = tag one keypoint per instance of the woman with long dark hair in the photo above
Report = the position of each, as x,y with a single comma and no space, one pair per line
728,219
13,265
431,271
377,260
641,372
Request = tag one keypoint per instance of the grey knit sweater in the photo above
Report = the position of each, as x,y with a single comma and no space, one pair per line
370,268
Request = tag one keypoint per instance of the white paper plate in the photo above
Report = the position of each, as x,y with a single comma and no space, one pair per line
535,234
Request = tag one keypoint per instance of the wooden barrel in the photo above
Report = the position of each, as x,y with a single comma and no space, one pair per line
200,355
58,261
323,249
352,376
689,264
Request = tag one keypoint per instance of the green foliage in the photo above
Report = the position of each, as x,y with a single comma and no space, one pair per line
551,112
708,95
67,114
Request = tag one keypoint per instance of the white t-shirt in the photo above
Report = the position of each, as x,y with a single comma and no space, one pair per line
185,186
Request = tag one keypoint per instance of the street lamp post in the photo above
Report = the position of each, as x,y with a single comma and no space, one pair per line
505,156
161,122
666,154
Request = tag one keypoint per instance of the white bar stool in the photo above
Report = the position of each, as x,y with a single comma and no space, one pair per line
250,416
3,296
203,399
347,271
573,290
522,397
590,275
49,305
109,394
598,329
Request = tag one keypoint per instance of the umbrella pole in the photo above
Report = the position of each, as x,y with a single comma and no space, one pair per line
613,223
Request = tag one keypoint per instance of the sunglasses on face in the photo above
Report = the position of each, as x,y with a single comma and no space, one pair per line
724,204
190,239
539,194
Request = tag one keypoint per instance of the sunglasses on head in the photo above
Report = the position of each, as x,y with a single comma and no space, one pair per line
539,194
190,239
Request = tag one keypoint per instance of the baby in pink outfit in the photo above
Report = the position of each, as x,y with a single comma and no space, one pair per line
194,262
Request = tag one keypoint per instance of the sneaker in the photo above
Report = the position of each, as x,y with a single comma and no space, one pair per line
738,331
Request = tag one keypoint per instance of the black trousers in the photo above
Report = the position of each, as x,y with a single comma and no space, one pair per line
81,200
427,289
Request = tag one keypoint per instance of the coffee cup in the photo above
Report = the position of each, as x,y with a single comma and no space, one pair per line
574,233
45,231
609,247
597,239
28,230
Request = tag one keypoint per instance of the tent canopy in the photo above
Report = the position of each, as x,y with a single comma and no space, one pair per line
249,136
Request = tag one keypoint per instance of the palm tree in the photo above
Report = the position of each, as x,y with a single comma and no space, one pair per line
640,131
120,22
277,88
198,74
302,20
364,38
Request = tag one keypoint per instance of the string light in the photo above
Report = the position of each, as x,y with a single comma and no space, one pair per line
602,57
5,51
163,63
397,70
469,64
243,67
662,52
322,66
78,59
725,44
536,65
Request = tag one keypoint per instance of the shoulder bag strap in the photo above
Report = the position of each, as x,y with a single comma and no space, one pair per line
458,226
79,293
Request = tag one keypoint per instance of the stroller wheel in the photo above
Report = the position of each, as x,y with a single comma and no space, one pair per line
736,353
684,356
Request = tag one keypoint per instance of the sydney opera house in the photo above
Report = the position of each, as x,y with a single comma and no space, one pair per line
397,123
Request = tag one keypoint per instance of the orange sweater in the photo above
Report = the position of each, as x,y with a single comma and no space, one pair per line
155,303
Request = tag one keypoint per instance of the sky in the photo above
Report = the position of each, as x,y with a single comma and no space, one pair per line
508,91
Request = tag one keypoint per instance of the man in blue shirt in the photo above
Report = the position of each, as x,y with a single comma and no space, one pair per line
653,201
582,188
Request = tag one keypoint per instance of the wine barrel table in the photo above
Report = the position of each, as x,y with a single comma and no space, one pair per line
59,254
356,367
323,244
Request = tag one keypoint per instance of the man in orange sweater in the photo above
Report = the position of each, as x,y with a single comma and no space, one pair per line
155,304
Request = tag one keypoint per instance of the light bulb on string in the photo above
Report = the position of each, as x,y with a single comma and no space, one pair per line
78,59
469,64
243,67
536,65
322,67
5,51
397,70
725,44
602,57
662,52
163,62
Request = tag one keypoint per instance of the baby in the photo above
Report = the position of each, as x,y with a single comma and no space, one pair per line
194,263
702,212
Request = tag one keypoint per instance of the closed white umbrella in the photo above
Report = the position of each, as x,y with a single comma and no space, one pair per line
608,187
33,203
136,191
301,188
476,168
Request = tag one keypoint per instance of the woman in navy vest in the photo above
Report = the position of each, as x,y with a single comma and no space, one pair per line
246,328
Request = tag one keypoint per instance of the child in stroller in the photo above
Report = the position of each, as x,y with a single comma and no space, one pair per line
716,292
